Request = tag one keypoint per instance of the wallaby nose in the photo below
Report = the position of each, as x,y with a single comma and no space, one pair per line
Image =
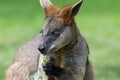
41,49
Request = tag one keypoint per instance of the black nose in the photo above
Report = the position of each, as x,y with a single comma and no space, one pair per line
41,49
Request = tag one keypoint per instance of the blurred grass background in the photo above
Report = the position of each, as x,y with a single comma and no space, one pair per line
98,21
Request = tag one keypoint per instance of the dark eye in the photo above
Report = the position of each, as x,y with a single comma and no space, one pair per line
56,33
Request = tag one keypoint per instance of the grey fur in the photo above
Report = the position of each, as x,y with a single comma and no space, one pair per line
26,61
68,51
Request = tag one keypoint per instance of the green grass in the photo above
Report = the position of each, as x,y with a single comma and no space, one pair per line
98,21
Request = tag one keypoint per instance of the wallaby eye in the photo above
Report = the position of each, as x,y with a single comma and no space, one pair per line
56,33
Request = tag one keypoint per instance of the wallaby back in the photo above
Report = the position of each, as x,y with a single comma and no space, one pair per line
25,62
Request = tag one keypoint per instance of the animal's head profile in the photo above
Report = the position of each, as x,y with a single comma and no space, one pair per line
59,28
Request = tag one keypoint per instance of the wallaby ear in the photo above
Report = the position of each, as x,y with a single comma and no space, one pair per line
45,3
48,7
76,8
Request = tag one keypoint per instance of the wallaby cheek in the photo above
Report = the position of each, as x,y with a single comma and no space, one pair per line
61,41
64,39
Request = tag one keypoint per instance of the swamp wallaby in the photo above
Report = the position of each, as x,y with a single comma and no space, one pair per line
62,42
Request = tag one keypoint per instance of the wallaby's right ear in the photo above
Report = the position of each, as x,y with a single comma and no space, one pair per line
48,7
76,8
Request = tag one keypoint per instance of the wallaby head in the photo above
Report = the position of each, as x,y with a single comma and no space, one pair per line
59,28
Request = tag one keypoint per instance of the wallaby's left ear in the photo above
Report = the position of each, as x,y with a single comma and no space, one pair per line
76,8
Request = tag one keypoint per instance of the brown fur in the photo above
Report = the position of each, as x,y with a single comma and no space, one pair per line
65,15
51,10
26,61
89,74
